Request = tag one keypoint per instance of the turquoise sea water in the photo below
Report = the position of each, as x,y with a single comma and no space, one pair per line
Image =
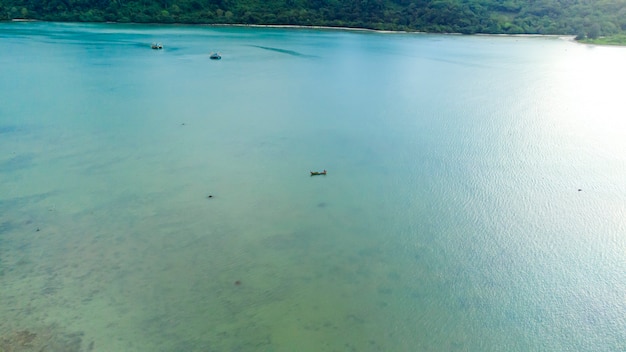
475,197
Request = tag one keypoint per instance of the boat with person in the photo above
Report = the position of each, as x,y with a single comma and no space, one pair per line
156,46
215,56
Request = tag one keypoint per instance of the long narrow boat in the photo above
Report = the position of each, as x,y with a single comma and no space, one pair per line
316,173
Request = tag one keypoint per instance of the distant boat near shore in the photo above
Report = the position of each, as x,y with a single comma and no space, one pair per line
156,46
215,56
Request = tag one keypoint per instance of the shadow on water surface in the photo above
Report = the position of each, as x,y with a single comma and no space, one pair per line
7,226
17,162
7,129
18,202
282,51
13,161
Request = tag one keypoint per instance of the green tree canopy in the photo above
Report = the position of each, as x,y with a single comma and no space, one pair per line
593,18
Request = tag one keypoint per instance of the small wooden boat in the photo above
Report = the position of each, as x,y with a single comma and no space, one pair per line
215,56
316,173
156,46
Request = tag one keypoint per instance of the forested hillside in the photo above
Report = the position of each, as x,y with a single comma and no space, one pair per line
592,18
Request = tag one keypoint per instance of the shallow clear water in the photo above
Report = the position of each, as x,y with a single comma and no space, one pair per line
475,197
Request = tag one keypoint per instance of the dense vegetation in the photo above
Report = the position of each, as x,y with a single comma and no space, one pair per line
585,18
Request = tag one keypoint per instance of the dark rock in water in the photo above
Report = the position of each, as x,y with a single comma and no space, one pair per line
237,283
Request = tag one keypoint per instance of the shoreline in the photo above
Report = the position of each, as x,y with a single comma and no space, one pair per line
350,29
294,26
